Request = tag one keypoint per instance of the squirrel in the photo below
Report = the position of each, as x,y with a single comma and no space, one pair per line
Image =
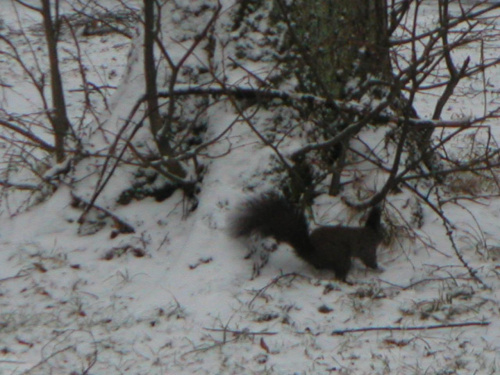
327,247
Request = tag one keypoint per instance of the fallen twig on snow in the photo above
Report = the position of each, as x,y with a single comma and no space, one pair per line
121,225
410,328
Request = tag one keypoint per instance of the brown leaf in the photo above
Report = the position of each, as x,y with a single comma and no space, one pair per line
40,267
263,345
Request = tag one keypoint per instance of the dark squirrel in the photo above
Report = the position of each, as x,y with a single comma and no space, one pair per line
327,247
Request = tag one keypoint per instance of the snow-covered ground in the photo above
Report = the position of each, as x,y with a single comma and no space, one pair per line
175,297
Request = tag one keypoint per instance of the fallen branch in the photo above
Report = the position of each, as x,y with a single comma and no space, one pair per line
121,225
18,276
274,281
411,328
241,332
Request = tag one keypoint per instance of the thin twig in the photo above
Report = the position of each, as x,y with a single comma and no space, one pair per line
122,225
274,281
241,332
410,328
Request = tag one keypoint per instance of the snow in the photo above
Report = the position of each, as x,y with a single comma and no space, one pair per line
176,297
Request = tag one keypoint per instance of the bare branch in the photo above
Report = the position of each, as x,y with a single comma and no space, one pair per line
27,134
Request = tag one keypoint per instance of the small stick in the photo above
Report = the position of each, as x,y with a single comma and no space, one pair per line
122,225
274,281
411,328
242,332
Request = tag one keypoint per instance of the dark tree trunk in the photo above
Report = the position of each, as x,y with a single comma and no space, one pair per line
161,136
345,39
59,118
342,44
150,67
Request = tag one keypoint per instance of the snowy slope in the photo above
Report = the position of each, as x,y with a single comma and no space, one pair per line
175,297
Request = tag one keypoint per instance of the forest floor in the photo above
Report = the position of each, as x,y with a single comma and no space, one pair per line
176,297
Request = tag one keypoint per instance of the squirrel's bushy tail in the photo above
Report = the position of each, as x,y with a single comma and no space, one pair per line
272,215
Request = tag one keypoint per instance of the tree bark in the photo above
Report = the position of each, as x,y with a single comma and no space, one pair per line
59,118
161,137
342,44
345,38
150,67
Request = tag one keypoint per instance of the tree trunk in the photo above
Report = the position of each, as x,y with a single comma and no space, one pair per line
345,39
59,118
161,137
342,44
150,67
